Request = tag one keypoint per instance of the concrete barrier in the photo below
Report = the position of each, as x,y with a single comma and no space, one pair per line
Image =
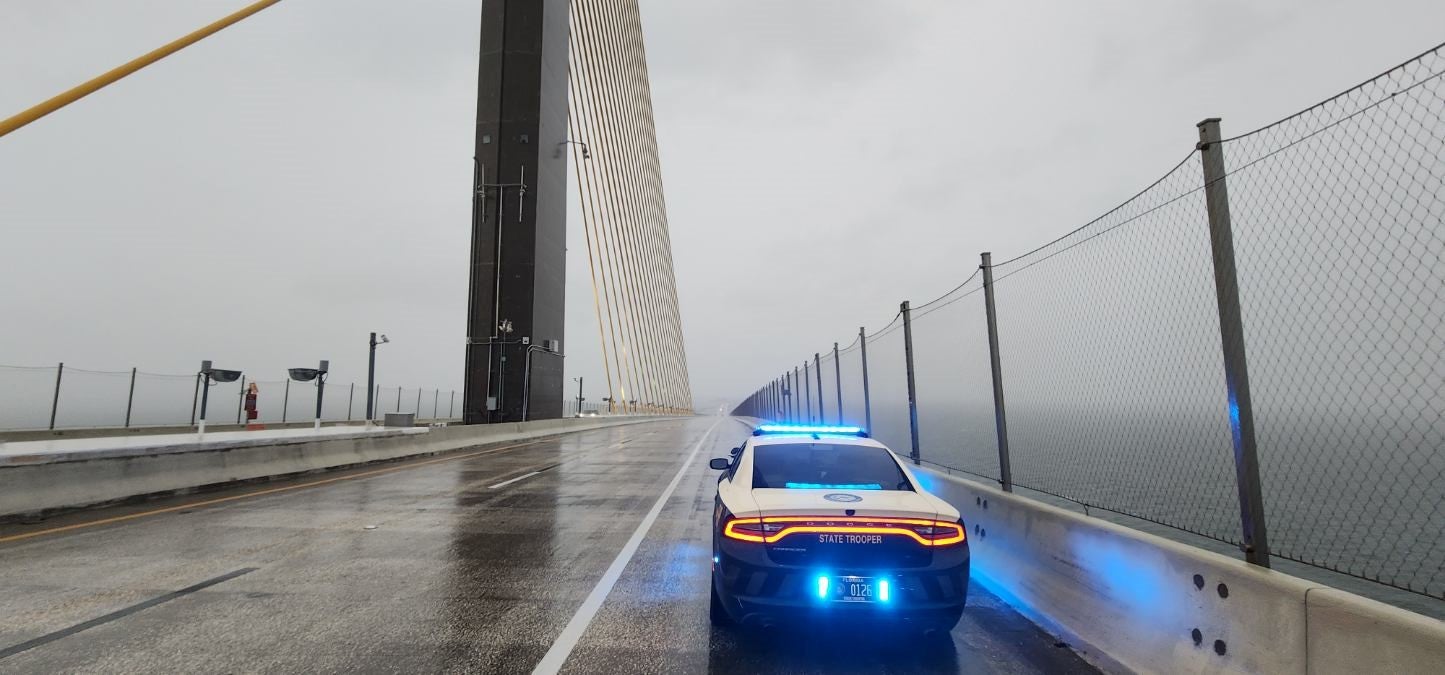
36,483
1148,604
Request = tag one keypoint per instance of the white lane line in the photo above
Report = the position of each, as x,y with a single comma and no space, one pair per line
509,482
556,657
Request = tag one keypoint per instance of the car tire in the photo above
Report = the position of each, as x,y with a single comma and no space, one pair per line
718,614
945,624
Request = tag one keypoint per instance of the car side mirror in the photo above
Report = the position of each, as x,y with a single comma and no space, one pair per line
719,463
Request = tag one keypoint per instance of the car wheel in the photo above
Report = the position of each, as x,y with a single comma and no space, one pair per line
945,624
718,614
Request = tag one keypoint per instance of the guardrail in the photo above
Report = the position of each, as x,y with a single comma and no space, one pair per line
1154,605
66,397
43,476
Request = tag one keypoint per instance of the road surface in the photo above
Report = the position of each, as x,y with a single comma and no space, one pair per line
587,552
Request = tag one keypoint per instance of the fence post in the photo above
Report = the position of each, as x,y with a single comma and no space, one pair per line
912,392
838,381
55,400
241,400
285,400
818,373
1231,331
807,393
418,403
452,408
867,401
797,400
398,398
1000,419
436,397
130,398
195,398
351,398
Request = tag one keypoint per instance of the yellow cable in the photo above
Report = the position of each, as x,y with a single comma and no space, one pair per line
95,84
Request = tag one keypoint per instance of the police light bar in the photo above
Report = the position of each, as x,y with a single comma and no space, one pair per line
809,429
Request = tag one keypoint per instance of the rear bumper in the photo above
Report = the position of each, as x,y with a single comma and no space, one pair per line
753,589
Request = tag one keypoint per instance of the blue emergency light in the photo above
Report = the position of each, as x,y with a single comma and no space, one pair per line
809,429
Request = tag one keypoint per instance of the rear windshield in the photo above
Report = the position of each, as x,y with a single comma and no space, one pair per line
826,466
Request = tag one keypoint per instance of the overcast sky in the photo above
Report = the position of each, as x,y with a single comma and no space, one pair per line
267,197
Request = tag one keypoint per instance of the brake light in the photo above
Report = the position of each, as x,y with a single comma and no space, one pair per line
772,528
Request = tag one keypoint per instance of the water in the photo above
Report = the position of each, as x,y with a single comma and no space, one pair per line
1369,504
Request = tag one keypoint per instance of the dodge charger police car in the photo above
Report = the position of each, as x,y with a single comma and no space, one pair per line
824,520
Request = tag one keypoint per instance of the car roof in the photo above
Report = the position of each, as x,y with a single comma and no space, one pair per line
833,439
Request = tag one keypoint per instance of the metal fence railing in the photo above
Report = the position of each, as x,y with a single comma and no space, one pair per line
65,397
1251,349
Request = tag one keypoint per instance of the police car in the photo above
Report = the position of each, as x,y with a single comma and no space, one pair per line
822,520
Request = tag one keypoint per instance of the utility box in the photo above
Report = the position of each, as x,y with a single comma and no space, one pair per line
400,420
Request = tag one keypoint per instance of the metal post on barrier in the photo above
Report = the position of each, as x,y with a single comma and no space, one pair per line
436,397
130,398
241,400
349,400
797,409
912,393
398,398
452,407
322,370
838,381
1231,331
1000,420
55,400
205,399
195,398
867,401
818,373
787,398
286,400
807,394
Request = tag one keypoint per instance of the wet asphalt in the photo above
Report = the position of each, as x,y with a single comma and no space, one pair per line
435,565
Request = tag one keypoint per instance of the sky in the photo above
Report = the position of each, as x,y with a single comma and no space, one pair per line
269,196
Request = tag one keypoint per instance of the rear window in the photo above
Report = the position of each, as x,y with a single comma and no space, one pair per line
826,466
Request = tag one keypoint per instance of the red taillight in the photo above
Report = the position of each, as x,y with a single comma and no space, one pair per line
773,528
940,533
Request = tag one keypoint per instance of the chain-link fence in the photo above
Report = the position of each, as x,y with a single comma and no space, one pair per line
65,397
1251,349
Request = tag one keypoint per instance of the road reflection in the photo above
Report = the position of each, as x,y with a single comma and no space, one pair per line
831,648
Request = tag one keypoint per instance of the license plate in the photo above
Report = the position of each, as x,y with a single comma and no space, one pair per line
855,589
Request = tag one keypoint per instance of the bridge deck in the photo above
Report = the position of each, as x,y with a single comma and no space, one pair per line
461,562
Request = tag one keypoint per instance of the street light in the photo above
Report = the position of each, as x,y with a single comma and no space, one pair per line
209,375
371,375
586,152
319,374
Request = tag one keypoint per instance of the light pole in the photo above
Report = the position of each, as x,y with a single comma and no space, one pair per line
504,330
209,374
371,375
319,374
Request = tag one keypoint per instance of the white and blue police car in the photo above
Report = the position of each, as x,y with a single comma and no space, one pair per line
822,520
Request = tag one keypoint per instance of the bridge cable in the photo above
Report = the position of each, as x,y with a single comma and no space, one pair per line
111,76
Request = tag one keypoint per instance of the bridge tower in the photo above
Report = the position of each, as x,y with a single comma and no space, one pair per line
519,215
